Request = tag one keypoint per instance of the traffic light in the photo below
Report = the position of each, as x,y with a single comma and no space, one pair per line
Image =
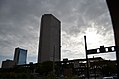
102,49
110,49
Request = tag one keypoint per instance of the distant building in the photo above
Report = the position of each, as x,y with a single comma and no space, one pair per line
49,42
20,56
78,66
8,64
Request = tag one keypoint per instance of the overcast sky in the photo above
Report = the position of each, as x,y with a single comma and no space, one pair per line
20,26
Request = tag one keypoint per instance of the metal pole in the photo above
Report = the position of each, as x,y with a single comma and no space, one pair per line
86,57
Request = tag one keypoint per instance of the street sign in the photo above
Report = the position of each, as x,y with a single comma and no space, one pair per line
92,51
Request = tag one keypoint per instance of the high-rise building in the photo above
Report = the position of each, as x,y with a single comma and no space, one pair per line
20,56
49,41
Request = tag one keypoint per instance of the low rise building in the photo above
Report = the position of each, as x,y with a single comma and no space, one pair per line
8,64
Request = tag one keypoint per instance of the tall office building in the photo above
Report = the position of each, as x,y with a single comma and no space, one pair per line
49,41
20,56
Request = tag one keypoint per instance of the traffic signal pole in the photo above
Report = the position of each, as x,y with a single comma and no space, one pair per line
86,57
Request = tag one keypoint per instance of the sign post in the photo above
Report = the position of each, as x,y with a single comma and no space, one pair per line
86,57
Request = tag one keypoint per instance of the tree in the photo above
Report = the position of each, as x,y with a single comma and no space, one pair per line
44,68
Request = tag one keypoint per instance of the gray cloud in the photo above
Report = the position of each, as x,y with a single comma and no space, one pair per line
20,21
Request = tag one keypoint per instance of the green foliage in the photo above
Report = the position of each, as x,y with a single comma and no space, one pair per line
21,70
44,68
16,75
73,77
50,75
25,72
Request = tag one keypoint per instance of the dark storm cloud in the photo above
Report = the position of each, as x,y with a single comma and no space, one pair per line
77,13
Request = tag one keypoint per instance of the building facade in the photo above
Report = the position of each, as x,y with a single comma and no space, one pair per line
49,41
20,56
8,64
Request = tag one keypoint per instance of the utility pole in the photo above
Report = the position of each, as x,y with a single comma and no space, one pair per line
86,57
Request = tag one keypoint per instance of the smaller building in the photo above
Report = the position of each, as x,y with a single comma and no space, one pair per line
8,64
20,56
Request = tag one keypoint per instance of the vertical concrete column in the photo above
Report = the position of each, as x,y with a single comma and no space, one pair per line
113,6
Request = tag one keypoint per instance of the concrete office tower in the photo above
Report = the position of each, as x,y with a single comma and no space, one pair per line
49,42
20,56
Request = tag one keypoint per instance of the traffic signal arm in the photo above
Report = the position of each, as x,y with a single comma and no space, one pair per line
102,49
